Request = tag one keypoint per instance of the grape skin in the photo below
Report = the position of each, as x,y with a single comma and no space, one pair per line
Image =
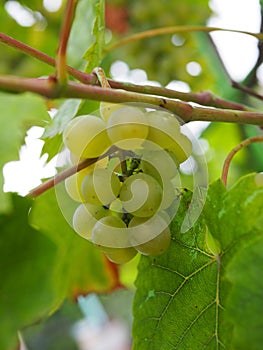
144,229
85,217
106,109
100,187
102,237
141,195
127,127
164,131
86,136
73,183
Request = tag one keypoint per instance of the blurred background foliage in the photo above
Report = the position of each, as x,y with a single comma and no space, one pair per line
164,59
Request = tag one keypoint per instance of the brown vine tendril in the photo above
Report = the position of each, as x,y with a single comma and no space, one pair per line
237,148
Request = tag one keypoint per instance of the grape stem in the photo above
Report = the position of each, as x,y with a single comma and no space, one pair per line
236,149
63,175
205,98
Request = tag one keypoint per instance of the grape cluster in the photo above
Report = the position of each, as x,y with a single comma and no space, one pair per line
125,196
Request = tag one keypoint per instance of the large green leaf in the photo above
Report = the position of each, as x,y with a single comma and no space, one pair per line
18,113
82,267
189,298
27,273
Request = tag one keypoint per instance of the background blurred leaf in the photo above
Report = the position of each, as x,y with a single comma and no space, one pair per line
82,268
25,296
18,114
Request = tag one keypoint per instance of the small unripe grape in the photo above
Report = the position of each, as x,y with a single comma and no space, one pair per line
127,127
143,231
106,109
73,184
181,147
141,195
110,234
162,127
85,217
100,187
159,164
86,136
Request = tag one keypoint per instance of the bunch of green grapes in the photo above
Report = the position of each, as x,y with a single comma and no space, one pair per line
125,197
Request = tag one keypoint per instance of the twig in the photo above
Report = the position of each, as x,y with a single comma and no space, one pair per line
175,29
67,173
205,98
246,89
61,68
187,112
234,151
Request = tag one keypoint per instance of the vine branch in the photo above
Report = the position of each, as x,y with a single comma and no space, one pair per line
205,98
187,112
236,149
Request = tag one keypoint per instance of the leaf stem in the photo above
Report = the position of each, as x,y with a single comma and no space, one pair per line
236,149
61,68
175,29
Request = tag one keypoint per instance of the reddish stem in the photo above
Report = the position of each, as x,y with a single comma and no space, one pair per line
63,42
67,173
234,151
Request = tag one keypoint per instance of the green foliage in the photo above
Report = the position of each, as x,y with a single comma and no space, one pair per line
18,113
205,291
190,298
89,19
82,268
25,296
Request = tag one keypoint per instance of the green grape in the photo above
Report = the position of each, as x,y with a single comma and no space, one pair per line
164,131
120,255
127,127
110,234
162,127
159,164
168,194
116,208
73,185
100,187
181,148
85,217
150,236
141,195
106,109
86,136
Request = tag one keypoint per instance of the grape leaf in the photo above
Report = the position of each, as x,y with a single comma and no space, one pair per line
82,267
18,113
93,54
189,298
26,274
